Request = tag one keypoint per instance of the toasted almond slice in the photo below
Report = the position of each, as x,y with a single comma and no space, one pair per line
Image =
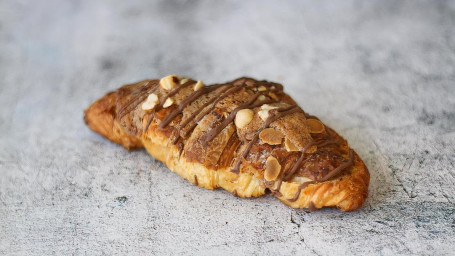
315,126
271,136
249,83
169,82
268,107
262,98
273,96
272,168
262,88
298,179
263,114
168,103
184,80
198,85
150,102
243,117
289,145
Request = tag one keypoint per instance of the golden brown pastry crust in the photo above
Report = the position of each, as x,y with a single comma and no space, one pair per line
192,130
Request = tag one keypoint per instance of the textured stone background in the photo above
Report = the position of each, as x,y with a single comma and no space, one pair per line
382,73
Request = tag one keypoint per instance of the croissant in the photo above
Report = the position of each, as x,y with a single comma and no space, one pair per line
245,136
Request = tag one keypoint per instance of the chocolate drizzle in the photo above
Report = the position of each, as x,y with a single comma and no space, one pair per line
340,168
142,94
219,96
327,177
276,191
150,120
276,114
297,164
226,90
168,119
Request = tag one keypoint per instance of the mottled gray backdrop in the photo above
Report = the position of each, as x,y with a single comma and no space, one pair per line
382,73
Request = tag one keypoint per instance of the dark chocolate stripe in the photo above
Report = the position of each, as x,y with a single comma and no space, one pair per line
217,98
149,121
299,161
340,168
299,189
277,190
183,104
327,177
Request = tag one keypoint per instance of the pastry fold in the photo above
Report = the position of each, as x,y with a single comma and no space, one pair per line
245,136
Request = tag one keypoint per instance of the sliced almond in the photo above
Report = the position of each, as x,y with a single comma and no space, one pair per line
262,88
272,169
298,179
150,102
262,98
198,85
290,146
273,96
243,117
184,80
315,126
169,82
271,136
249,83
168,103
268,107
263,114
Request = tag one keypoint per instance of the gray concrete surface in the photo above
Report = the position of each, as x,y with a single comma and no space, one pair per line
380,72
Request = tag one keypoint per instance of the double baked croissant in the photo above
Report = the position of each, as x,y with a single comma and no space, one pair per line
246,136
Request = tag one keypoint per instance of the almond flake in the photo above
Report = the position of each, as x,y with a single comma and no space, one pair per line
168,103
150,102
169,82
243,117
198,85
271,136
272,168
315,126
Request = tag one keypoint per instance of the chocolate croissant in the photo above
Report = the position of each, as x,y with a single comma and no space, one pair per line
246,136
